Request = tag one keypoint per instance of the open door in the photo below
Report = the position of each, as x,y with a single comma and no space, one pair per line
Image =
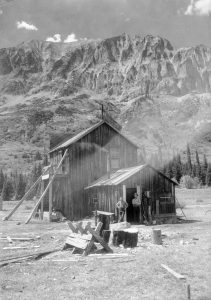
129,197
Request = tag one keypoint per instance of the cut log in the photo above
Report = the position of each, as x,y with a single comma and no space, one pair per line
127,237
118,237
105,219
131,238
156,237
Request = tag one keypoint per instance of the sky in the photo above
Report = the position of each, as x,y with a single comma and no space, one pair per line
183,22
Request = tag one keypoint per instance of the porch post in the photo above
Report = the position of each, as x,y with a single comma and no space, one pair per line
157,207
139,192
42,202
124,199
50,195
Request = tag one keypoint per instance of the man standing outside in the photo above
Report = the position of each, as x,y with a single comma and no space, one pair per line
121,208
136,202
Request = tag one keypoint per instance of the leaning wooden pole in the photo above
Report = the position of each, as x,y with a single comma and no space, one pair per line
24,198
45,191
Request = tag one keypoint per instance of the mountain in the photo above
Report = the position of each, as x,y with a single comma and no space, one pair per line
161,95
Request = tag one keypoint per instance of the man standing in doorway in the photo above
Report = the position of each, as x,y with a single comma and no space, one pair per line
136,207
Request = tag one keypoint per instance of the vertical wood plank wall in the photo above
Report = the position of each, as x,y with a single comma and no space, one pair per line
146,180
87,162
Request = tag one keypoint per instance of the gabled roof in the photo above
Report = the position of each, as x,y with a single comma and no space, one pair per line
83,133
121,175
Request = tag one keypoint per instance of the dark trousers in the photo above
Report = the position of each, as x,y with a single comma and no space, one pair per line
121,215
136,213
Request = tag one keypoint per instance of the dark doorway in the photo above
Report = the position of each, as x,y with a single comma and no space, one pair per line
129,197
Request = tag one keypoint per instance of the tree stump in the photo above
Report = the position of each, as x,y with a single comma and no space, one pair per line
156,237
127,237
106,222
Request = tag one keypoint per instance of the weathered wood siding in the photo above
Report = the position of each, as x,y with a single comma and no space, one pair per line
149,180
87,161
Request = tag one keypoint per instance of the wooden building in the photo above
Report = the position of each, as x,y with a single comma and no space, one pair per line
99,168
94,152
125,182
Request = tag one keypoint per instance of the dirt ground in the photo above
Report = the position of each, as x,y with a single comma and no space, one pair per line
137,275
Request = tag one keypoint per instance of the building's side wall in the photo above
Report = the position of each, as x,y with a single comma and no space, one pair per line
87,161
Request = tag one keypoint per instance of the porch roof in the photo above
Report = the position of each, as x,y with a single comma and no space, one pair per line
116,177
121,175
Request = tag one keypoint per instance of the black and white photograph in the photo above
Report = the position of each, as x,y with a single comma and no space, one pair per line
105,149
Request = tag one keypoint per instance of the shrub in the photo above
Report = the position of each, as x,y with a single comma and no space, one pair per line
62,110
38,156
37,117
187,182
25,155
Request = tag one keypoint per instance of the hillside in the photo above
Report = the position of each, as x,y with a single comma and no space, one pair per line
161,95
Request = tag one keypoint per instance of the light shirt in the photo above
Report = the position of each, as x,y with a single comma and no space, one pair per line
136,201
121,204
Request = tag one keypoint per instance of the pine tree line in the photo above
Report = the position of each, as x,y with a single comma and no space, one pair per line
191,167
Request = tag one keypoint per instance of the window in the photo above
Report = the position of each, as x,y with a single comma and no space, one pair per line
115,163
115,158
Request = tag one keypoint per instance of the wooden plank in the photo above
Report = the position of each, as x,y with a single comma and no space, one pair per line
80,227
86,227
175,274
101,212
9,239
91,243
86,237
49,184
20,247
77,242
23,239
100,240
72,227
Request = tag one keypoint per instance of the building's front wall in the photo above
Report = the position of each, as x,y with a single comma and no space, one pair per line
87,161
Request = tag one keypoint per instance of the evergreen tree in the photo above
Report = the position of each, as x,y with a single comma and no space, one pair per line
1,180
204,170
38,156
168,170
7,191
38,171
198,167
20,187
179,167
193,172
189,163
174,168
208,175
45,160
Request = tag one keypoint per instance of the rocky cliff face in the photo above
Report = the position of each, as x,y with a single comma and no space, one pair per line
160,95
112,65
